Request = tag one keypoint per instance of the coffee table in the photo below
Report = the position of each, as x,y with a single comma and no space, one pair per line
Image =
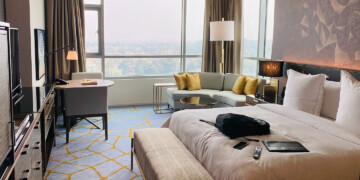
204,102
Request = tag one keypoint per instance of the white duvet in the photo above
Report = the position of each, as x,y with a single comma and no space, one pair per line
334,150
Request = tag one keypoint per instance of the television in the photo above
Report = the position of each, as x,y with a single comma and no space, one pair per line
15,71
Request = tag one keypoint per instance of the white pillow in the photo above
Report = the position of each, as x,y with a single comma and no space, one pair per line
305,92
348,114
330,104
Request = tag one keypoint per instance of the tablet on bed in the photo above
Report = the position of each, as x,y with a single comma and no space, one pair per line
284,146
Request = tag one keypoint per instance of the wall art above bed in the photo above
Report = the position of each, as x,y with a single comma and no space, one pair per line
325,33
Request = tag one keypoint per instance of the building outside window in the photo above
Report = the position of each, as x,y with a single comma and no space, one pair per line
131,38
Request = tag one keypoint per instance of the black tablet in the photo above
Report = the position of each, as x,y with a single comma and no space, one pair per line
284,146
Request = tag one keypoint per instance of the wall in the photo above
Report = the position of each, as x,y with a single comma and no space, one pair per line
37,21
2,10
18,15
316,32
135,91
26,15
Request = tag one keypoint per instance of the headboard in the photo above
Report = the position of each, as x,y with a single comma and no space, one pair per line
333,73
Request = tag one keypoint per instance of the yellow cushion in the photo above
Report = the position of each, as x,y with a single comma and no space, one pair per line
181,81
193,81
239,85
250,86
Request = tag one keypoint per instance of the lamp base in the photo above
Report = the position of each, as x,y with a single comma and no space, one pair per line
271,91
221,66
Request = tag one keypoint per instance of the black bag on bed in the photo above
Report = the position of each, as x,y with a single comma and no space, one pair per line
237,125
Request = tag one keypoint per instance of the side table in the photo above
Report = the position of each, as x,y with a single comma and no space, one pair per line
157,97
251,100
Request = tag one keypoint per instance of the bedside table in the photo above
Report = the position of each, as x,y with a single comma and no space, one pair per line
251,100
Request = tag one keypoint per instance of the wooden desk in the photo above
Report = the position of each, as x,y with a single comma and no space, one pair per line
77,84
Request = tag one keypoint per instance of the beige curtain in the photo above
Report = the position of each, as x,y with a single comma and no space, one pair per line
65,26
215,10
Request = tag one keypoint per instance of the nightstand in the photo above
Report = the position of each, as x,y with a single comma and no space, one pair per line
251,100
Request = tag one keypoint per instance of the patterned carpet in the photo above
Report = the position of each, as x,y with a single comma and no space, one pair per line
88,156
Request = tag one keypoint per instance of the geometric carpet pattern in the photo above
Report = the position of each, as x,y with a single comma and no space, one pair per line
88,156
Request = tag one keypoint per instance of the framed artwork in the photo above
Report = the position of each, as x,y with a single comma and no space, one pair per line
40,53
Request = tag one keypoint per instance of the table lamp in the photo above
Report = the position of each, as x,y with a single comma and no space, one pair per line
271,68
222,31
72,55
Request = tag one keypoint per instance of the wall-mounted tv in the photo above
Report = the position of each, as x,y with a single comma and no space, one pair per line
16,81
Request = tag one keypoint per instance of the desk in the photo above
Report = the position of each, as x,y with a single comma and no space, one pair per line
77,84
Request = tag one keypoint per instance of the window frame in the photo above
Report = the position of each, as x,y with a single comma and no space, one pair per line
263,10
101,54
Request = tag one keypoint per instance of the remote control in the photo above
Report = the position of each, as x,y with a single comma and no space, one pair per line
257,152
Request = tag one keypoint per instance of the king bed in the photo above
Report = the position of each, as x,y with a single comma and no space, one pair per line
334,146
334,150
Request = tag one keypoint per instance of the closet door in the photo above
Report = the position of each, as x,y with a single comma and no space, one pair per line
5,93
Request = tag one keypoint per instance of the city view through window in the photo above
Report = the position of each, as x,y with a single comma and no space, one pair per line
144,37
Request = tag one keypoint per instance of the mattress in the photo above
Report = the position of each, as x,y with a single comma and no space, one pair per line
334,150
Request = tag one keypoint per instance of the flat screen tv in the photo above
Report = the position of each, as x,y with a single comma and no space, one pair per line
16,81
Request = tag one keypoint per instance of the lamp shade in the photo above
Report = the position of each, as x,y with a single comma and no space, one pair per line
72,55
271,68
222,31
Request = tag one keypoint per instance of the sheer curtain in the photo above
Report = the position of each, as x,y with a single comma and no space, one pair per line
65,26
215,10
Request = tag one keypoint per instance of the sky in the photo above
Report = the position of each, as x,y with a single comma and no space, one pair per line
146,20
160,20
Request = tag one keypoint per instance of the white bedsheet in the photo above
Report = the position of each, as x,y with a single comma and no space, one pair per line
334,150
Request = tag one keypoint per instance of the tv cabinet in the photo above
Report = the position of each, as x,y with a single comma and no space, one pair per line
38,135
27,124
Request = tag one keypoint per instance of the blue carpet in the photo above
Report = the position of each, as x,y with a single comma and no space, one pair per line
88,156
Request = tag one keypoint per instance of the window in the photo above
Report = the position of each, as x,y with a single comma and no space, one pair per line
131,38
258,33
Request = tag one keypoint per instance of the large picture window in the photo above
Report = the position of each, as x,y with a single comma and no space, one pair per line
131,38
258,33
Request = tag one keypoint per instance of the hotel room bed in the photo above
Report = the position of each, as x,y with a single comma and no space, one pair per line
334,150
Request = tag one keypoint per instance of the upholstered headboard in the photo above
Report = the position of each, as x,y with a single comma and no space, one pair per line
333,73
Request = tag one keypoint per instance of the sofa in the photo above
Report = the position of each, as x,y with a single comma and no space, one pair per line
217,86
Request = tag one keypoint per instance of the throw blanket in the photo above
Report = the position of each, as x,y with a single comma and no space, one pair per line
334,150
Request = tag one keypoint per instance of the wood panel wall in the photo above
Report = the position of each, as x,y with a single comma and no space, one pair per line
2,10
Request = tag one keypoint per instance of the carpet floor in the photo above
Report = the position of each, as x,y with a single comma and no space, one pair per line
88,156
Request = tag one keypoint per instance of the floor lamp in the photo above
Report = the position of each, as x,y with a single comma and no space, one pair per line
222,31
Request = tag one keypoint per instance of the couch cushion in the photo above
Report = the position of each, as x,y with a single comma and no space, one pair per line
193,81
181,81
230,98
230,79
210,80
239,85
251,86
176,94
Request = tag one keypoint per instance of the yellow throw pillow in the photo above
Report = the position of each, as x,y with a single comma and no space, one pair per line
250,86
239,85
181,81
193,81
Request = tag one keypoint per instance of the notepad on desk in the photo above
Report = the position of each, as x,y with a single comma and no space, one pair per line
284,146
88,82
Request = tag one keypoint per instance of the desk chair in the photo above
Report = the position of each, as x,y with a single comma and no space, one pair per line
87,75
85,102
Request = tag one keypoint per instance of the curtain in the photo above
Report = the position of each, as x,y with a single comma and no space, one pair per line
215,10
65,26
